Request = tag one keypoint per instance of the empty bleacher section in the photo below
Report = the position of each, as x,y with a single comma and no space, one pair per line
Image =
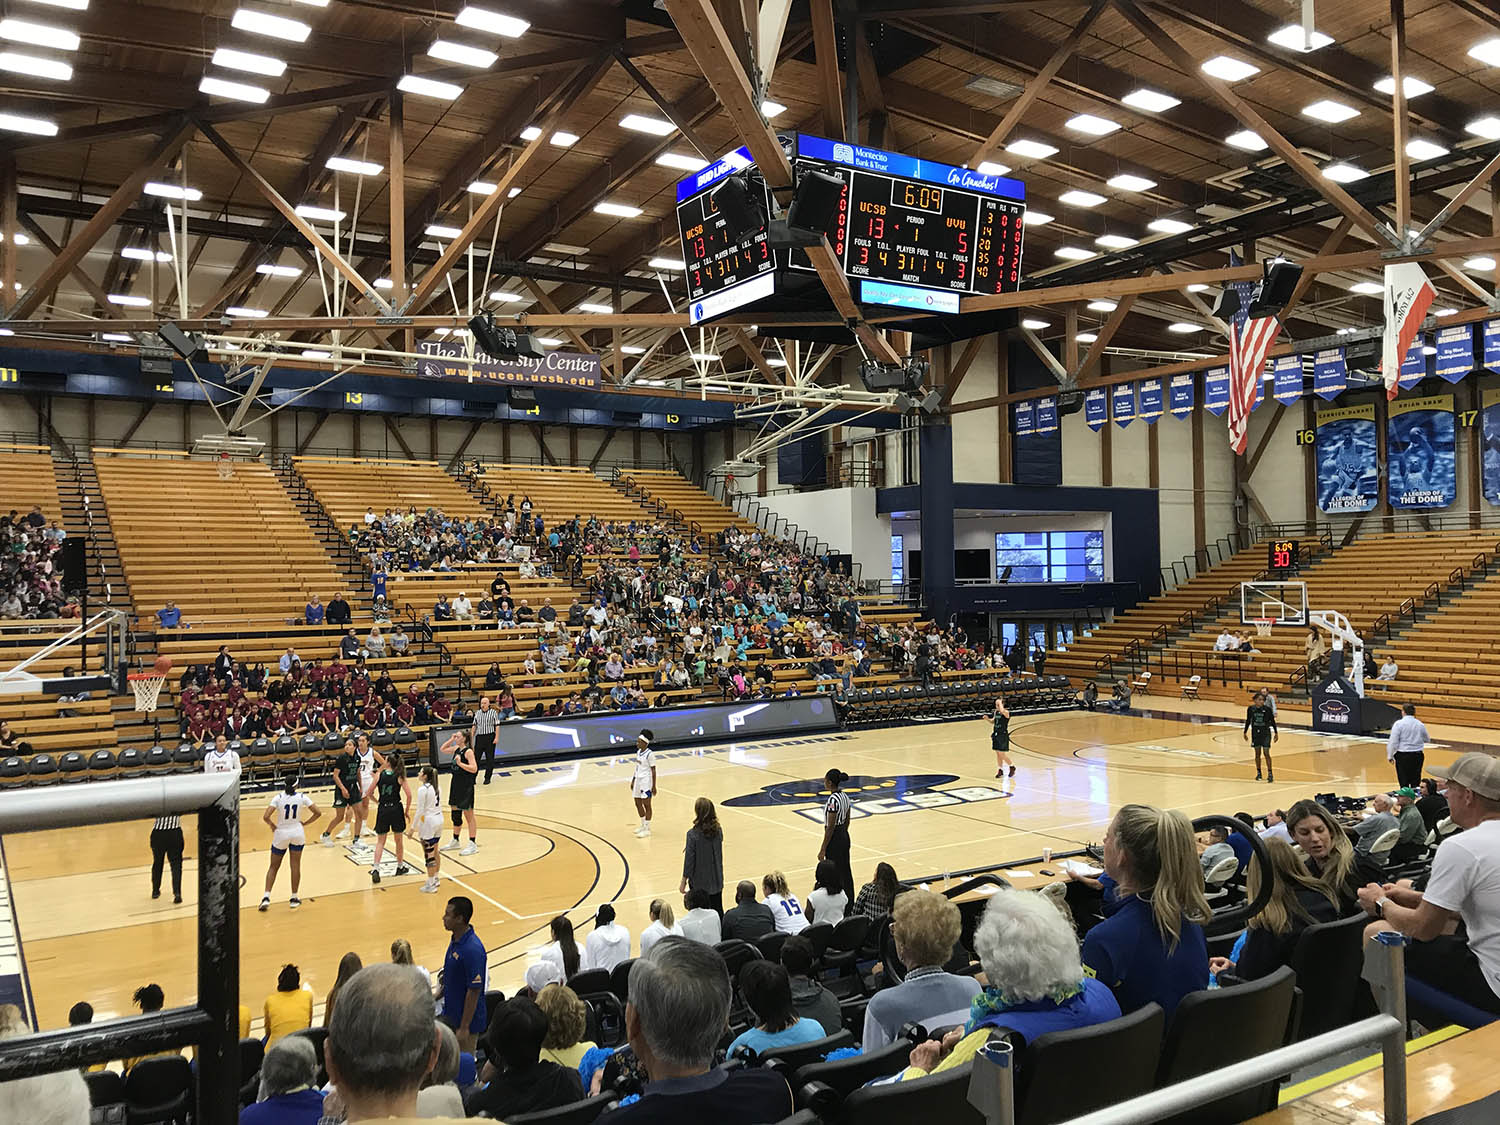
558,492
668,492
27,478
229,552
347,486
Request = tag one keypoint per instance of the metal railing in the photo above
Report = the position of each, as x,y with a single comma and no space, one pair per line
212,1024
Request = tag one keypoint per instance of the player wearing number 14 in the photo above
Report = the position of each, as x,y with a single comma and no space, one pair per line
283,816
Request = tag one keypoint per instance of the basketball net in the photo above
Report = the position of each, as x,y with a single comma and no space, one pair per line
146,687
1263,626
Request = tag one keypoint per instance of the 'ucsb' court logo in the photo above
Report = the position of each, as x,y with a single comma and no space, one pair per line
869,796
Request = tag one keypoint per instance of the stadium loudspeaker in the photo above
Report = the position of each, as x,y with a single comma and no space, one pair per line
187,346
1069,402
816,201
1275,289
1228,304
74,563
932,402
522,398
491,339
526,345
735,201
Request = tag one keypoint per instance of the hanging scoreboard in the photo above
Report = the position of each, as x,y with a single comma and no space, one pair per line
715,261
906,221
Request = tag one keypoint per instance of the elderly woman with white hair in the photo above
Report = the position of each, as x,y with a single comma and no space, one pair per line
288,1086
1036,983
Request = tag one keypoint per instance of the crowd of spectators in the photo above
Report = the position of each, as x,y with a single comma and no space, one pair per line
31,583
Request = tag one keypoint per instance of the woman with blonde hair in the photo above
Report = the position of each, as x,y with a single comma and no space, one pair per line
1331,858
567,1020
663,922
401,955
784,905
1152,947
703,856
1297,901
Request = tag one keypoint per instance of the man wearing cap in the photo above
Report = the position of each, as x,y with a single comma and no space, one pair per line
1413,841
1405,747
1464,885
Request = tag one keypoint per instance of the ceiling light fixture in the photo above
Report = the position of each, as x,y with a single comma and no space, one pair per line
1031,150
1184,327
1413,87
1480,265
384,283
512,193
1035,218
71,5
237,91
1150,101
1197,287
357,167
316,353
1419,149
1487,127
1116,241
600,310
682,161
1125,181
1086,337
1367,288
640,123
1486,51
563,139
35,67
1296,38
173,191
264,23
38,34
429,88
240,310
312,211
137,253
1330,111
1073,253
1035,325
1092,125
483,187
770,109
500,296
1079,198
619,210
117,337
438,230
271,270
130,302
990,168
249,62
1169,226
1247,140
1344,173
667,264
1102,306
1228,69
462,54
632,349
496,23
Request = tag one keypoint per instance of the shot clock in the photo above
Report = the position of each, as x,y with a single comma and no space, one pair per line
1282,556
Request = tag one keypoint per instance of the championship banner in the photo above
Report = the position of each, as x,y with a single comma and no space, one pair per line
1260,387
1455,352
1216,390
1286,374
1489,415
1150,405
446,360
1413,365
1348,476
1046,415
1492,345
1122,400
1420,452
1330,374
1181,392
1025,418
1096,409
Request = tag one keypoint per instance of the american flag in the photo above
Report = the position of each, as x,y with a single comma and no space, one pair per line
1249,341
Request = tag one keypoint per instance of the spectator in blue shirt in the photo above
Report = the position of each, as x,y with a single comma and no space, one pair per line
464,974
1239,843
767,988
1152,947
377,581
169,617
289,1093
314,613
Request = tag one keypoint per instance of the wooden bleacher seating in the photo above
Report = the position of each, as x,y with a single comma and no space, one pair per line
346,486
228,552
560,492
27,477
679,495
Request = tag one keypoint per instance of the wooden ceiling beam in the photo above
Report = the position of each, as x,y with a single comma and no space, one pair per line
826,60
91,287
547,303
774,376
686,123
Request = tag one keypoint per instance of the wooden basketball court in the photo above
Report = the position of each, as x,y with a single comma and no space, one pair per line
558,838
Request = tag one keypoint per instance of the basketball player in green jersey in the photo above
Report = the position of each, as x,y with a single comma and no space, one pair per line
389,786
1260,730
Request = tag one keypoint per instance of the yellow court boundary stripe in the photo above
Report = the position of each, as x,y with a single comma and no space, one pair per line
1365,1065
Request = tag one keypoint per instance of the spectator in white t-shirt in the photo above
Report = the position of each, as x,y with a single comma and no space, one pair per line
701,922
828,901
784,905
463,609
1464,886
1389,670
608,944
663,922
1226,642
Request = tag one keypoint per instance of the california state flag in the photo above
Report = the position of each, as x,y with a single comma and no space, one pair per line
1408,295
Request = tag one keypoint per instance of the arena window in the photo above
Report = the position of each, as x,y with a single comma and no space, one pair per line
1050,556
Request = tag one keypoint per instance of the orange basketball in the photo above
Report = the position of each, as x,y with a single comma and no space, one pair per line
163,665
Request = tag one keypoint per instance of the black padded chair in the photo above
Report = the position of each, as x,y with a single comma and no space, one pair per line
12,771
106,1087
844,944
844,1076
72,766
589,980
186,757
332,742
492,1001
158,759
103,764
802,1117
252,1054
819,934
804,1054
737,954
578,1113
608,1012
42,769
159,1089
1327,960
381,737
619,979
130,760
405,736
938,1097
1213,1028
1120,1058
770,944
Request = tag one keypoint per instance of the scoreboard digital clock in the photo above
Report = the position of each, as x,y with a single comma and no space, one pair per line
919,222
1282,555
715,260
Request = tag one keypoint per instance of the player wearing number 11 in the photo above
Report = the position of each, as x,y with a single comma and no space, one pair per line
283,816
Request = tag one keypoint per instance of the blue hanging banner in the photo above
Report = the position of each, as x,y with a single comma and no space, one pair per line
1046,415
1348,476
1330,373
1025,418
1150,405
1287,374
1420,453
1492,345
1122,401
1260,386
1413,365
1216,390
1182,395
1096,409
1455,352
1489,415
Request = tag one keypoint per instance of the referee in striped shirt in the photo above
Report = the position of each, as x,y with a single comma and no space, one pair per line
483,737
166,845
836,829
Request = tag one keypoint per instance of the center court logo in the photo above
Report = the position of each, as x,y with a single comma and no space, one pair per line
869,795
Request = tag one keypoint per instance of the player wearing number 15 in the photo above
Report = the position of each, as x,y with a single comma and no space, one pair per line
283,816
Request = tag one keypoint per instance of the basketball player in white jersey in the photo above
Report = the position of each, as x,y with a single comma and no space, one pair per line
370,763
283,816
643,782
221,759
427,825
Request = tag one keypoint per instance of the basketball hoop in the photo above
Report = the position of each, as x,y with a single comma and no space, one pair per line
1263,626
147,687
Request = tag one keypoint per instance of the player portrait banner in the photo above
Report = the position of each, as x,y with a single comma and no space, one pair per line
1096,408
1025,418
447,360
1491,344
1046,415
1489,415
1455,352
1150,406
1420,452
1122,403
1181,391
1413,365
1286,381
1348,476
1330,374
1216,390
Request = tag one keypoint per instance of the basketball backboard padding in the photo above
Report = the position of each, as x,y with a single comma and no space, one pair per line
19,683
1283,603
